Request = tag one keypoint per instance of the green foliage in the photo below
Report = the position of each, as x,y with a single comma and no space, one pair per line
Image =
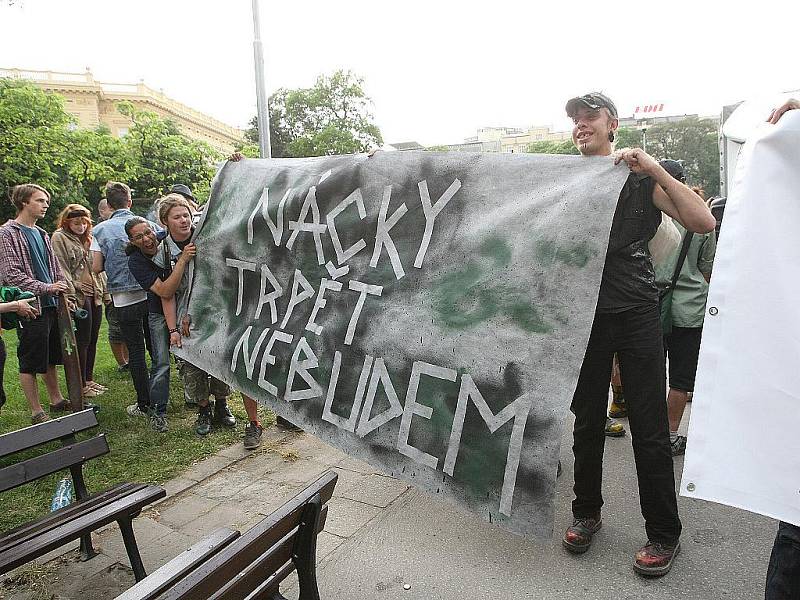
441,148
248,149
332,117
161,155
692,141
628,137
552,147
35,145
39,143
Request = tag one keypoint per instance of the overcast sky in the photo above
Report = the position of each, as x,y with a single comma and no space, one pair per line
435,70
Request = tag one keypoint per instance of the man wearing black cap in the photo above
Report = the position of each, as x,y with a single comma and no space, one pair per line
627,321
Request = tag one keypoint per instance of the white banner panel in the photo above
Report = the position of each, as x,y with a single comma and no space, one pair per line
744,436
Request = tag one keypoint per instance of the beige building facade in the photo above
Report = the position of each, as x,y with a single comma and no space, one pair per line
509,139
93,103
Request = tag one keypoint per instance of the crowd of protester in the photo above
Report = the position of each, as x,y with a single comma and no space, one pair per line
135,268
646,314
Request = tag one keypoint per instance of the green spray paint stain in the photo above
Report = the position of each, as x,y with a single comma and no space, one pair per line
575,255
496,248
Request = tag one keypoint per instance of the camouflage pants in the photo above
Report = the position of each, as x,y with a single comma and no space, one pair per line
198,384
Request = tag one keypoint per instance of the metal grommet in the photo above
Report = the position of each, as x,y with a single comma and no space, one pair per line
713,311
690,487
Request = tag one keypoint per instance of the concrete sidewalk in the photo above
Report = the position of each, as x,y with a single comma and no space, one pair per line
382,537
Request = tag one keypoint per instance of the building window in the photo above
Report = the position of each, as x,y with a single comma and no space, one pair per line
122,131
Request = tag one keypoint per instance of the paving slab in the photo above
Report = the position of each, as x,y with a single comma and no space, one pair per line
224,514
376,490
381,536
224,484
444,552
208,467
345,517
183,510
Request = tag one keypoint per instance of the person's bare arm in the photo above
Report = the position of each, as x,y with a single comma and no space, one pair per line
22,307
777,113
98,262
670,195
167,288
169,306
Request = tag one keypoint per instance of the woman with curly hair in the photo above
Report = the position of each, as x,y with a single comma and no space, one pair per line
71,247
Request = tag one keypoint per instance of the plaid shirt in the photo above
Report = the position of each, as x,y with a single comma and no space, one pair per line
16,268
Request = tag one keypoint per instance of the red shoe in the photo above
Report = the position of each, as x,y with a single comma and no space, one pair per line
655,559
578,536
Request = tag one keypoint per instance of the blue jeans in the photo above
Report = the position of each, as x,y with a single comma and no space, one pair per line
134,328
159,369
783,573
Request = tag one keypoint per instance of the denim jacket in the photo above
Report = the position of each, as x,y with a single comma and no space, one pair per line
112,239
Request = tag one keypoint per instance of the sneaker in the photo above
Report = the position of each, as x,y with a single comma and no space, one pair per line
134,411
655,559
578,536
159,423
223,414
618,408
203,425
39,417
614,428
678,446
252,436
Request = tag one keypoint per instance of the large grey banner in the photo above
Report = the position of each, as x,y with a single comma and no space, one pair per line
427,313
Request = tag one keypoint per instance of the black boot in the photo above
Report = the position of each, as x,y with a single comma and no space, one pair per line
203,426
222,414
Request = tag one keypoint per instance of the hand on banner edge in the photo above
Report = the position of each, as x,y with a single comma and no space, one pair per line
777,113
185,322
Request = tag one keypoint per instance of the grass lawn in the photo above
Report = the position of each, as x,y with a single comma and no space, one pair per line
137,452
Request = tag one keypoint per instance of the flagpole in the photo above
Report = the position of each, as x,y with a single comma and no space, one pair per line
261,92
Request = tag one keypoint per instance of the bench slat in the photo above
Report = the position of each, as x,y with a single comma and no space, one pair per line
53,519
40,466
155,583
275,559
35,435
129,505
266,590
218,570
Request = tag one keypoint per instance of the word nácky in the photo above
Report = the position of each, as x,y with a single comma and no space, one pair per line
306,303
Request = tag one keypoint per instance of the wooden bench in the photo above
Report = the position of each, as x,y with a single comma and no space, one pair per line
230,566
88,513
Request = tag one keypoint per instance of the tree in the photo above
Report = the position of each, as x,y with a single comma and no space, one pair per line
332,117
38,144
159,155
552,147
628,137
692,141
